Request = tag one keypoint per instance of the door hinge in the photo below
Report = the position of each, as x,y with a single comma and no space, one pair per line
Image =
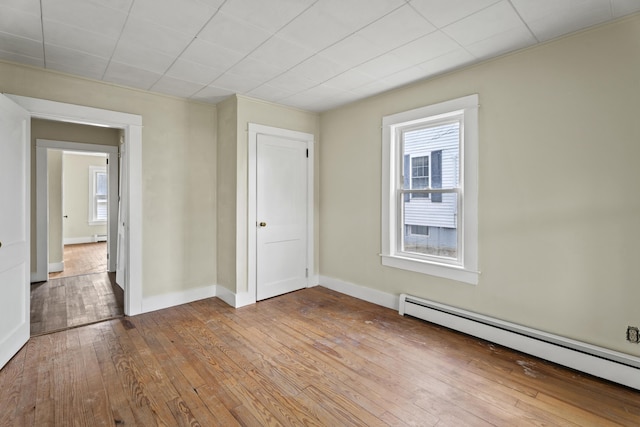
307,153
306,272
107,161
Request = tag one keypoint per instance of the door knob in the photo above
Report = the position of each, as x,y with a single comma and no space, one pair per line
263,224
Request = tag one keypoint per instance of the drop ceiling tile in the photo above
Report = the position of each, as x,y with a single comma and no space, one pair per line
319,69
193,72
21,59
397,28
253,69
28,6
21,46
373,88
20,23
496,19
442,13
187,16
212,94
352,51
384,65
152,36
405,76
292,81
89,16
176,87
624,7
59,34
269,15
349,80
329,21
552,18
235,83
127,75
270,93
142,57
281,52
124,5
425,48
447,62
516,38
232,33
75,62
211,55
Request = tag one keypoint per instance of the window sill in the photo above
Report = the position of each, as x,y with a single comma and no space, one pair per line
97,222
452,272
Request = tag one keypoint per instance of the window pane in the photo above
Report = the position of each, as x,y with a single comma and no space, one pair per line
101,209
101,184
431,228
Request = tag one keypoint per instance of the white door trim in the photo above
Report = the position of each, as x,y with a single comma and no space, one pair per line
131,124
304,138
42,224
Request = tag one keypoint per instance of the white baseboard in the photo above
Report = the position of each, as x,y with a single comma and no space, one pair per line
78,240
235,300
176,298
361,292
56,267
598,361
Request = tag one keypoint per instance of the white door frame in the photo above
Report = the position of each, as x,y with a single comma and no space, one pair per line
252,247
131,124
41,272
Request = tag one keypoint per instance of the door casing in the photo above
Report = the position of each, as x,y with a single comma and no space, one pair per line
131,124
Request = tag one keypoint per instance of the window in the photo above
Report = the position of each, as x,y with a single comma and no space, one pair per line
97,195
429,190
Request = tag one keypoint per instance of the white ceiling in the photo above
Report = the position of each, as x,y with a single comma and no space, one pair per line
311,54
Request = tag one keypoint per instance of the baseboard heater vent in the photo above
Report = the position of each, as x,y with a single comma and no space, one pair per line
99,237
601,362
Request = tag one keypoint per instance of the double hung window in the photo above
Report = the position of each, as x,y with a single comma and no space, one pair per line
97,195
429,192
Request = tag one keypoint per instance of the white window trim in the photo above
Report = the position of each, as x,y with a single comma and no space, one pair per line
467,272
93,170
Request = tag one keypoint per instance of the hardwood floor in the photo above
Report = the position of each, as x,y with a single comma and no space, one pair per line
69,302
83,258
312,357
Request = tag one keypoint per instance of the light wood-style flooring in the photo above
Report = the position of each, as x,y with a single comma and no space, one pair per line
312,357
81,294
69,302
83,258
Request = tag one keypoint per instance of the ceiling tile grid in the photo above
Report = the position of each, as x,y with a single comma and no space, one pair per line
311,54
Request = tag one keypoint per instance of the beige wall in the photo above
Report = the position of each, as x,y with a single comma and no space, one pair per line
54,183
178,170
75,195
239,111
558,208
226,192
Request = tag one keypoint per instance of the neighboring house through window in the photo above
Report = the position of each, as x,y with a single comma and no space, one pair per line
97,195
429,192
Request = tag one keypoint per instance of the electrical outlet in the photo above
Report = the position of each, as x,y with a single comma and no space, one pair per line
633,334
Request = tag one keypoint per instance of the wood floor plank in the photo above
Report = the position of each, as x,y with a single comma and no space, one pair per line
312,357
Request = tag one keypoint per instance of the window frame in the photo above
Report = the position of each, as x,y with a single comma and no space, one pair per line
465,269
93,202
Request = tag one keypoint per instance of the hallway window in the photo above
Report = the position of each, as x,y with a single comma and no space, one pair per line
98,195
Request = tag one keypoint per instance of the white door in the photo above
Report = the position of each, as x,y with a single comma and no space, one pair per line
122,214
281,216
15,124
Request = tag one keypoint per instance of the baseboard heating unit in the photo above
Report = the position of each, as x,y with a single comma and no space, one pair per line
598,361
